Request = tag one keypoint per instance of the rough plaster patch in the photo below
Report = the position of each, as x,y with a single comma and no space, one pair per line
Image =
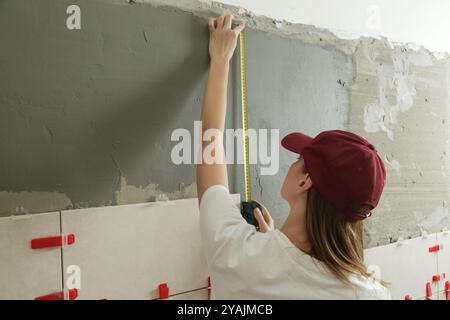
387,79
435,219
26,202
206,9
393,164
307,33
394,77
135,194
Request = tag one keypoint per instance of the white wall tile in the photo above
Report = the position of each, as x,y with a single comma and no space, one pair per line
443,257
442,295
26,273
125,252
407,266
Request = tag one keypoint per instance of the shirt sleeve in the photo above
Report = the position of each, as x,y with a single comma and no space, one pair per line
233,248
221,222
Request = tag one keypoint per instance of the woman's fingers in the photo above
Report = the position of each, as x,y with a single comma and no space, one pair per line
238,29
263,227
225,22
220,21
266,215
211,24
259,217
228,19
264,219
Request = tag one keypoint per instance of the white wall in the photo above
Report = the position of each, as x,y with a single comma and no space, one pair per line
423,22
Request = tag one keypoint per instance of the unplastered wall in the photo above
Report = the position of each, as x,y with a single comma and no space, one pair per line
400,101
87,117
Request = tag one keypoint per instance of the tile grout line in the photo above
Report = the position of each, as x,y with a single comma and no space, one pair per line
61,251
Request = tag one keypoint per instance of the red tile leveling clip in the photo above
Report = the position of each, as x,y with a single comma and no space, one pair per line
447,290
72,295
435,248
163,291
429,295
209,288
55,241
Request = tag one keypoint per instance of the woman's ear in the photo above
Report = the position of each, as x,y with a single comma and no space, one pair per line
305,184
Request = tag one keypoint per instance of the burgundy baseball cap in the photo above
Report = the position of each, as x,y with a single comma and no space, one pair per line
344,167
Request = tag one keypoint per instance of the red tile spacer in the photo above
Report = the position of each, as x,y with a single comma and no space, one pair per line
435,248
209,288
408,297
56,241
436,278
429,293
73,294
447,290
163,291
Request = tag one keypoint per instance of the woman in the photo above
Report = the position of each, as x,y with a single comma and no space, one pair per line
335,183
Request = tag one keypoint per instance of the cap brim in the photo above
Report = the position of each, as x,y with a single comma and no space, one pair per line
296,142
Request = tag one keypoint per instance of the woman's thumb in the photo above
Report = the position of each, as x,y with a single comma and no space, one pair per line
238,29
259,217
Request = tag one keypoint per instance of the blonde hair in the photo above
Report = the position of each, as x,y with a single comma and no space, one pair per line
335,240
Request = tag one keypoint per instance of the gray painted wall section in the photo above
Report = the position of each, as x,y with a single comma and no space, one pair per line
87,115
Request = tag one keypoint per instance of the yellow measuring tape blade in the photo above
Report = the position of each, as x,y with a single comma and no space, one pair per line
247,181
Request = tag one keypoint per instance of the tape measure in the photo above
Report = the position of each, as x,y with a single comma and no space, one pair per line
247,181
248,205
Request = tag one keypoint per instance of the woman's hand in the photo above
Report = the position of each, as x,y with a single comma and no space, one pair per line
264,219
222,38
